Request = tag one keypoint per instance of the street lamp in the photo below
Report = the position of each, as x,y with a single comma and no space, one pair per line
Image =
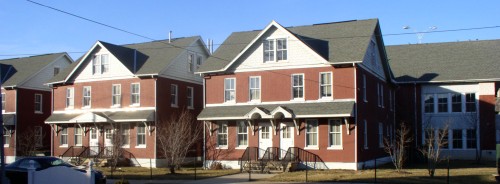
420,34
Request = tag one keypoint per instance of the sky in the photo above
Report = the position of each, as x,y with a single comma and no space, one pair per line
27,28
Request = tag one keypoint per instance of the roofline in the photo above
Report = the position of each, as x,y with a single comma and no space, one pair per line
297,116
81,61
450,81
40,70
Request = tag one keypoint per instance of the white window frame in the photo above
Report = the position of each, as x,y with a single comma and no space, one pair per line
190,97
125,133
459,103
281,50
134,94
298,87
323,85
190,62
4,102
471,140
116,93
38,104
364,88
256,88
431,103
380,135
242,129
222,129
446,104
230,90
174,95
6,138
96,65
466,101
63,136
70,98
270,53
365,134
104,65
89,89
140,134
78,136
315,124
199,61
337,123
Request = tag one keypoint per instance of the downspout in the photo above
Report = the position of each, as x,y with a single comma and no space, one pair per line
355,117
52,132
415,113
156,119
204,129
16,132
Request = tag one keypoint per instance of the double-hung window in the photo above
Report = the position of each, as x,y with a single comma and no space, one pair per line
281,49
268,50
471,139
457,139
456,102
70,97
190,96
275,50
254,88
125,134
141,135
104,63
298,86
199,60
6,138
429,103
96,65
78,136
116,95
335,134
135,93
3,102
312,133
38,136
222,135
56,70
242,134
325,86
63,139
442,102
173,95
229,90
380,93
38,103
380,135
470,102
86,96
190,62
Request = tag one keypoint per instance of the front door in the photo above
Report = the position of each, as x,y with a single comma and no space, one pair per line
265,138
286,137
108,140
94,141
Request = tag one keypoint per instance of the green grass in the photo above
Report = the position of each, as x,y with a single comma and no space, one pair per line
144,173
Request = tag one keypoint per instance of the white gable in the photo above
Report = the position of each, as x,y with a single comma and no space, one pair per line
116,68
299,55
89,117
372,60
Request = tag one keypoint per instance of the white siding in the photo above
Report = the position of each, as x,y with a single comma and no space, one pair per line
299,55
374,62
116,68
38,80
178,69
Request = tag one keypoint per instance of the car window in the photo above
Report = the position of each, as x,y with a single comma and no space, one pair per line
57,162
25,164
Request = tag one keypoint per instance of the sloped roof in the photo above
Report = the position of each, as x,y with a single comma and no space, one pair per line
152,57
22,69
336,42
112,116
441,62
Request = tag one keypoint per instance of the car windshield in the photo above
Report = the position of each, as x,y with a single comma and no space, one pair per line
59,162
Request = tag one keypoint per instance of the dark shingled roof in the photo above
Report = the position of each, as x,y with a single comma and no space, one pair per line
152,57
298,109
15,71
453,61
336,42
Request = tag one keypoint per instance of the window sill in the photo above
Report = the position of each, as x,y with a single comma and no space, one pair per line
230,102
224,147
38,112
86,107
126,146
69,108
255,101
298,100
141,146
325,99
115,106
5,145
63,146
311,148
135,105
241,147
335,148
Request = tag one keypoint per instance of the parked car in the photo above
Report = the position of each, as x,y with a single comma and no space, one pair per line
17,171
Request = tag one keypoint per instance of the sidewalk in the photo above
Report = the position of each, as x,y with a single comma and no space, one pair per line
234,178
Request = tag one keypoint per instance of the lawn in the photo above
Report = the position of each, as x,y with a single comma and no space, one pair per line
144,173
460,172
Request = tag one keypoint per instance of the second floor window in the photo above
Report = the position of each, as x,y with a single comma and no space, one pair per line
429,103
135,94
470,102
254,88
298,86
281,49
116,95
229,90
3,101
86,96
442,102
325,85
173,95
190,96
70,97
456,102
38,103
199,60
56,70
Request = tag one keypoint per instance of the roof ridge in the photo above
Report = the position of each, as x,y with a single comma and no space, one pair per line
162,40
444,43
40,55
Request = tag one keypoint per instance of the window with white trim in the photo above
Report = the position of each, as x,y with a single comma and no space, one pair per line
222,134
470,102
116,91
298,86
190,62
442,102
325,85
286,132
125,133
78,135
3,102
335,133
199,61
268,50
141,134
38,103
380,135
457,139
104,63
275,52
242,134
311,133
254,87
135,93
456,102
190,96
100,64
364,88
365,135
63,139
471,139
173,95
70,97
281,49
6,138
230,90
86,96
429,103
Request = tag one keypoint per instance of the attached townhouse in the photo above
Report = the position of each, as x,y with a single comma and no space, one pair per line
320,93
126,90
26,102
450,85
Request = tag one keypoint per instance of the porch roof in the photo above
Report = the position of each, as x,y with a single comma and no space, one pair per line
297,110
9,119
101,117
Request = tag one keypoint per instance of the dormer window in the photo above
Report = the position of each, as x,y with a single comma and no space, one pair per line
275,52
100,64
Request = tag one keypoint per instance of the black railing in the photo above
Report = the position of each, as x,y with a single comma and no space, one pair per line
131,157
72,152
271,154
250,154
303,159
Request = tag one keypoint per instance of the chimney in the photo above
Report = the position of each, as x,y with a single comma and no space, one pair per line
169,36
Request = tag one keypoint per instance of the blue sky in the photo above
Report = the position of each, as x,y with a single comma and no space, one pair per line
27,28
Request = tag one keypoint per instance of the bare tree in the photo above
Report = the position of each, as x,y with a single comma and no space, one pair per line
473,121
396,147
435,140
177,136
31,141
215,155
115,151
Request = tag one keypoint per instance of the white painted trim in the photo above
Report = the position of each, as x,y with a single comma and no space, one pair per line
451,81
331,86
78,111
303,116
273,67
279,102
104,79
